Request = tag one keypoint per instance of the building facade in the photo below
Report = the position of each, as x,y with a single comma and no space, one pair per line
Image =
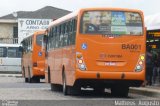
8,31
9,24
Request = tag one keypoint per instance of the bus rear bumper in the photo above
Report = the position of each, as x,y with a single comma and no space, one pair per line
107,83
130,78
38,71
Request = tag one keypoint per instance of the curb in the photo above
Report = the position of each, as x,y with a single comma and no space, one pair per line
11,75
145,91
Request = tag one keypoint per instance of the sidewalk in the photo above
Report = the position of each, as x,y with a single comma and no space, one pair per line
153,90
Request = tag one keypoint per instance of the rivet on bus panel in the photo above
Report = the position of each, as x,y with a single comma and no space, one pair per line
98,75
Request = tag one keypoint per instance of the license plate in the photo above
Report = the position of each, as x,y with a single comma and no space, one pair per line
110,63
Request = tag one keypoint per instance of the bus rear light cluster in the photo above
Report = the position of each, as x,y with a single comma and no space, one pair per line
80,61
79,56
140,63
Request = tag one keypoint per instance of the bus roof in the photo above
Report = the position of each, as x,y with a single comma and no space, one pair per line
36,32
66,17
114,9
9,45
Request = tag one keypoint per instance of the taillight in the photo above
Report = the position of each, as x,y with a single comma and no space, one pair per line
140,64
80,61
34,64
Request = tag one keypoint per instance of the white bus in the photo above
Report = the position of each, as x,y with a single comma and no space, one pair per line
10,57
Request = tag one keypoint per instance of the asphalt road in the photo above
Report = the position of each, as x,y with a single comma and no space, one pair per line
15,89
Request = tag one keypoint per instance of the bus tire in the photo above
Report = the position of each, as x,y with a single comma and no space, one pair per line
56,87
69,90
23,73
75,90
29,76
36,79
49,77
65,87
120,91
26,79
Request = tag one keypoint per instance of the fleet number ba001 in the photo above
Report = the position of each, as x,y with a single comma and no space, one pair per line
131,46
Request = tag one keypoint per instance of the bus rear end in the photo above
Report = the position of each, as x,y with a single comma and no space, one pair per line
38,55
110,49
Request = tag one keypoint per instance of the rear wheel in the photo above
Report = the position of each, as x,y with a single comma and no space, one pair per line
49,78
35,80
29,76
65,88
24,75
56,87
69,90
26,79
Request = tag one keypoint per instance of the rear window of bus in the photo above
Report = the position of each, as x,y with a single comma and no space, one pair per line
39,39
111,22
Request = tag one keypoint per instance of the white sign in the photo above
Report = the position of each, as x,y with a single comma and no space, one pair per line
26,27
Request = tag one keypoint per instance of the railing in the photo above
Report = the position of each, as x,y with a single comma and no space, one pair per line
9,40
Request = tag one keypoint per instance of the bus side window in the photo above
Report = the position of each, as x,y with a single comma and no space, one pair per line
30,44
12,52
3,52
65,34
50,39
74,31
70,32
56,37
24,46
19,51
53,33
62,35
22,43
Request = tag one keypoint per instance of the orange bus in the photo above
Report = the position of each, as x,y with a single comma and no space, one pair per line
98,48
33,57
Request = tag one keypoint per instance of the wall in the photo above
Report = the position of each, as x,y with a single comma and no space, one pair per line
6,30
